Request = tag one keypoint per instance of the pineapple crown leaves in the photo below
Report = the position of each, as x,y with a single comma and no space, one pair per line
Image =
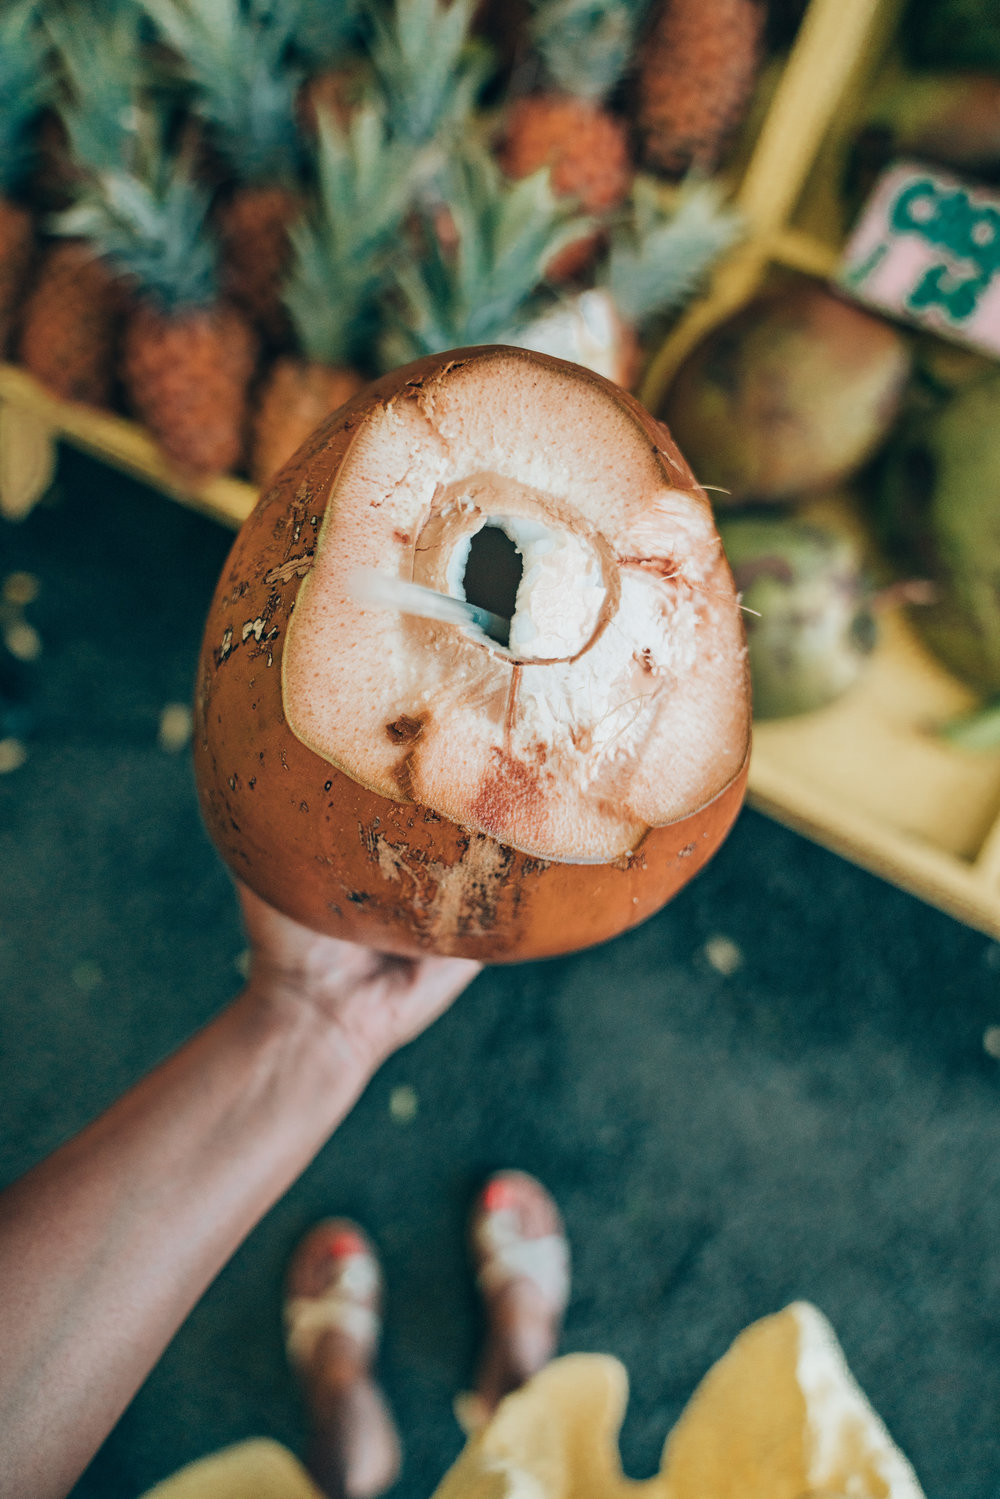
235,55
24,86
660,258
324,30
101,106
585,45
506,234
342,246
152,230
428,68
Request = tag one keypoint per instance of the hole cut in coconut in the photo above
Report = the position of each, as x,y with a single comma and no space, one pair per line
492,576
544,585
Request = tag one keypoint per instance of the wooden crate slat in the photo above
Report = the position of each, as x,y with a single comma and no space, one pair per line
124,444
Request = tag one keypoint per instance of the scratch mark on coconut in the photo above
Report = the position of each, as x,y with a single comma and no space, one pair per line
510,713
660,567
222,654
402,774
633,858
295,567
406,731
446,900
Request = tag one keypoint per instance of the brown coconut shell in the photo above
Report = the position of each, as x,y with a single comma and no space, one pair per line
343,859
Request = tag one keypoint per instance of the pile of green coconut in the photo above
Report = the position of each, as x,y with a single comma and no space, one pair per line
803,394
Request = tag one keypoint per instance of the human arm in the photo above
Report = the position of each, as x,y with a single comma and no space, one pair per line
108,1243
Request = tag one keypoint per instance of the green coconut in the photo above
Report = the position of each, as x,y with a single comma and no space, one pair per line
939,500
807,610
953,33
949,119
790,396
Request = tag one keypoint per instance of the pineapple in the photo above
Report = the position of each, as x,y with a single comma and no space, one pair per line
340,252
71,319
658,259
326,39
584,46
187,357
696,74
482,286
69,330
236,58
427,67
23,88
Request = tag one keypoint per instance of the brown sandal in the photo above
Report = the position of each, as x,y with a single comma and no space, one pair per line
516,1234
334,1284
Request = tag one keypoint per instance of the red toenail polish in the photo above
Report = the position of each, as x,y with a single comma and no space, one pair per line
345,1243
497,1194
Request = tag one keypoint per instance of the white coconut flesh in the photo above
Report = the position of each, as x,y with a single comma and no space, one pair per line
619,701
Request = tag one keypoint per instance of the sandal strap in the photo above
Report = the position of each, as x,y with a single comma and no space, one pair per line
347,1306
506,1257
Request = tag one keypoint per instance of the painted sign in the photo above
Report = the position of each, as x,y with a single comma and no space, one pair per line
927,248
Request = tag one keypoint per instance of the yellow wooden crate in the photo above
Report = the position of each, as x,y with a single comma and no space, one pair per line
867,776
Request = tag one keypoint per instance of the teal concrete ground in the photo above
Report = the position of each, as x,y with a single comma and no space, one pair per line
821,1122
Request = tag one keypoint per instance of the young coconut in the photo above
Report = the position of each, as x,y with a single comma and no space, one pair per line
938,498
420,786
810,611
789,396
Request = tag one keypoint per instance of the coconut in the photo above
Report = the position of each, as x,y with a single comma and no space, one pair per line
421,786
810,616
587,329
950,119
939,498
788,397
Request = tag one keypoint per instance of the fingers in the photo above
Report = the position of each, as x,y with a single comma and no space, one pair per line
381,1001
407,1005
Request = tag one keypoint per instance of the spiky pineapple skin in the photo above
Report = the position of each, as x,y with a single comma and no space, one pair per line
71,323
696,74
253,235
17,238
187,377
296,398
587,150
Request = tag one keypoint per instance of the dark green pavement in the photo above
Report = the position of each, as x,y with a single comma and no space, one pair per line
824,1122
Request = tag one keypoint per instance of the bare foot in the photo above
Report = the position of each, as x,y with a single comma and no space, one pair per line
521,1257
333,1305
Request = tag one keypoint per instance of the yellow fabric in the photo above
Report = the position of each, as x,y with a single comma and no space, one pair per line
778,1417
251,1470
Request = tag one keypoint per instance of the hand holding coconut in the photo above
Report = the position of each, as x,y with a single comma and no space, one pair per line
405,783
374,1002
